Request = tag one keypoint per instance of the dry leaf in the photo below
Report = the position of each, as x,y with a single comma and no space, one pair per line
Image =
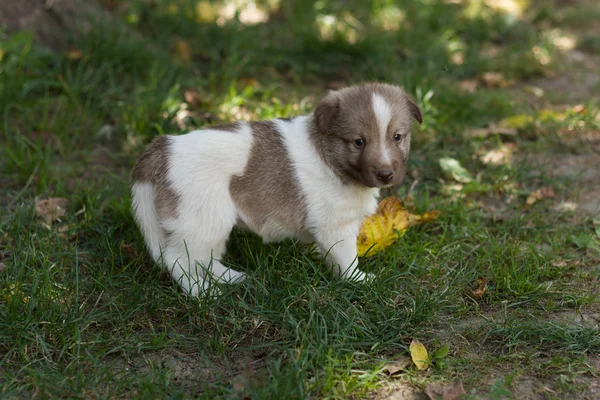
545,192
2,266
468,85
74,54
481,283
398,365
389,223
559,263
128,251
181,50
436,391
494,80
193,98
419,355
51,209
565,263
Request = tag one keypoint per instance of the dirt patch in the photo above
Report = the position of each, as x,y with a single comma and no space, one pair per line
399,391
193,372
583,170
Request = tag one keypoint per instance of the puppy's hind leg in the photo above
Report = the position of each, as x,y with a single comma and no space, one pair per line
193,262
184,270
214,269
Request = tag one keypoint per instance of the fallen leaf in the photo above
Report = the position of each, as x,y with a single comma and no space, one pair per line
419,355
51,209
193,98
453,168
181,50
435,391
559,263
545,192
468,85
389,223
2,266
74,54
398,365
495,157
481,284
128,251
494,80
578,109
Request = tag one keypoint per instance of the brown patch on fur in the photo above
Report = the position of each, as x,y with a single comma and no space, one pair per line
268,167
230,127
346,115
153,167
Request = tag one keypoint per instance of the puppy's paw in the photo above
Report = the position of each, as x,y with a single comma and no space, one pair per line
204,289
358,276
232,276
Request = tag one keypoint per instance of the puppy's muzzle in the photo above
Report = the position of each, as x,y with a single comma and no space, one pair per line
385,175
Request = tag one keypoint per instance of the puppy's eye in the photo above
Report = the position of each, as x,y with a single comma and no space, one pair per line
397,137
359,142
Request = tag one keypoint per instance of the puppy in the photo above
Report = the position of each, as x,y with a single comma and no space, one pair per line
313,178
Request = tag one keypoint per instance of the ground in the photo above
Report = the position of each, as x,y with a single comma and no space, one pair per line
506,277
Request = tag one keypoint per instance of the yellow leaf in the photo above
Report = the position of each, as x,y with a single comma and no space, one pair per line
419,355
389,223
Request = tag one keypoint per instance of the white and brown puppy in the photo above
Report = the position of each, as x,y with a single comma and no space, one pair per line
314,178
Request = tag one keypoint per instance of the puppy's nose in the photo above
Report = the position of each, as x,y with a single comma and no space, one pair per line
385,175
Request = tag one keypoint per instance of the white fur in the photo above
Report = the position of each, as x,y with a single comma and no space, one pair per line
146,216
383,114
202,164
335,210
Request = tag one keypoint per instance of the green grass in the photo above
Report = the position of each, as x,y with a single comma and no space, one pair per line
83,312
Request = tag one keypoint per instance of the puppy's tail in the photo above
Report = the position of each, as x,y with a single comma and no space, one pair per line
144,209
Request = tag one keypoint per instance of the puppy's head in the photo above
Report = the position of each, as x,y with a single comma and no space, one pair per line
364,132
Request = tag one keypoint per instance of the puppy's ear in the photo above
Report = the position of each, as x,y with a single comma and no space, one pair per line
326,111
414,110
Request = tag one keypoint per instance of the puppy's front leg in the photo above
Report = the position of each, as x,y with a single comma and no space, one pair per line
339,248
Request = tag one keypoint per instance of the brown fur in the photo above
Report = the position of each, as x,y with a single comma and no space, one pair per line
268,169
230,127
153,166
344,116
